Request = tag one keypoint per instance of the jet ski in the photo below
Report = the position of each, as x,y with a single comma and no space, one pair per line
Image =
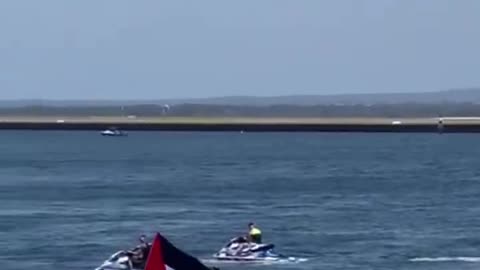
238,249
113,132
162,255
120,260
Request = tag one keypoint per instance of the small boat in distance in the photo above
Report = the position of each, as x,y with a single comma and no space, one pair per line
113,132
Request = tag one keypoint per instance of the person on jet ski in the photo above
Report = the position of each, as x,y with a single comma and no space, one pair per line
254,234
139,254
144,246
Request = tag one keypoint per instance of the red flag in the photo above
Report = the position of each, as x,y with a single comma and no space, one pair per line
155,259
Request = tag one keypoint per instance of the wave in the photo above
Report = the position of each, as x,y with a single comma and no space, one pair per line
279,261
445,259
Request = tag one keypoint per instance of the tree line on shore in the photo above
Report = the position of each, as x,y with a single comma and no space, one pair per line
202,110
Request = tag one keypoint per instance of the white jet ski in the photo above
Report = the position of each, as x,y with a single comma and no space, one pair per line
120,260
113,132
238,249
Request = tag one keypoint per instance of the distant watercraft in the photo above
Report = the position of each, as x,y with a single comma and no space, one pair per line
239,250
114,132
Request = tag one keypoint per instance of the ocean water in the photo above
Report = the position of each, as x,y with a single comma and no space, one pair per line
68,200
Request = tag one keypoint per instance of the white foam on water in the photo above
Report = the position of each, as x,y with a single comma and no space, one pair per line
446,259
262,262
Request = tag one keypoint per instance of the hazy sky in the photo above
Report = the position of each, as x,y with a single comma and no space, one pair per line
165,49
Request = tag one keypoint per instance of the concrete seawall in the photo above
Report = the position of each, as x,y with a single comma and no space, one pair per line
245,124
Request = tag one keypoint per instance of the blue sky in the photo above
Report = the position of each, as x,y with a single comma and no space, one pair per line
120,49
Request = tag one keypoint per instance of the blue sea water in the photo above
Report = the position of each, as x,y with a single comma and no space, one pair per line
343,200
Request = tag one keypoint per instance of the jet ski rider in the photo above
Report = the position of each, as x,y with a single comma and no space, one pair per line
144,246
254,234
139,254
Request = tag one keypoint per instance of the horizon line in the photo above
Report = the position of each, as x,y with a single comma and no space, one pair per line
239,96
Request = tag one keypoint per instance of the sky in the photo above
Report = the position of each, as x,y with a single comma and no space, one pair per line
152,49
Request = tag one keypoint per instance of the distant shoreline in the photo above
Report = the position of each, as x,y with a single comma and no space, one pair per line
431,125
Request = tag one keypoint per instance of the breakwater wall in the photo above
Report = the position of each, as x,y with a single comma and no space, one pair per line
248,126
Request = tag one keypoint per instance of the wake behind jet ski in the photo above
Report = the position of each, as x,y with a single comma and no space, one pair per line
161,255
